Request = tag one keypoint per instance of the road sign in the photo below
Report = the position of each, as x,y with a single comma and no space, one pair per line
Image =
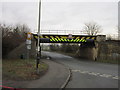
29,36
28,46
28,41
70,36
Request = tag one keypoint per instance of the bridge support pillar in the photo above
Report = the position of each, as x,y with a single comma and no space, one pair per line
90,50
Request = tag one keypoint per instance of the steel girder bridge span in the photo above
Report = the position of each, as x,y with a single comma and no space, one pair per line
89,44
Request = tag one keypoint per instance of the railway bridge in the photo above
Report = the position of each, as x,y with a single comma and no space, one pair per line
89,44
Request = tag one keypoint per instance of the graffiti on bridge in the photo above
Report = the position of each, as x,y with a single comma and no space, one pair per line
65,38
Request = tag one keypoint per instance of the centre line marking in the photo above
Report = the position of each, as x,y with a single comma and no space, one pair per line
96,74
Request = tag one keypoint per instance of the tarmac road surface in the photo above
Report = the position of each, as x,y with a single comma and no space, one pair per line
88,74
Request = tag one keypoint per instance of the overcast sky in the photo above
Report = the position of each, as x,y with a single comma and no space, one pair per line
62,15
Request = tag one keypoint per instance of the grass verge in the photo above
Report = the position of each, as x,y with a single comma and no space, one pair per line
22,69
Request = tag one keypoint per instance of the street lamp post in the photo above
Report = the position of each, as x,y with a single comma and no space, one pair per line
38,42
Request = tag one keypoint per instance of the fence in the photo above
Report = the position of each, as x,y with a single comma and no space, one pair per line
75,32
65,32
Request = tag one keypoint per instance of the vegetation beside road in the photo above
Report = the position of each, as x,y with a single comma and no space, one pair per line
12,37
22,69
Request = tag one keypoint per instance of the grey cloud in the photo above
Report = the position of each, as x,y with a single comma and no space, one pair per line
62,15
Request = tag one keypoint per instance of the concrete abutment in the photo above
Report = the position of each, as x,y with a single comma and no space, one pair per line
90,50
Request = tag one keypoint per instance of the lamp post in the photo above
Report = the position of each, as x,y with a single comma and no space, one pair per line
38,41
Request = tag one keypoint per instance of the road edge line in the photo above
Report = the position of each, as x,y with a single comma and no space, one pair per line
67,80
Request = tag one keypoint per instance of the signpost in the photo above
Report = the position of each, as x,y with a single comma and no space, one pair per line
70,36
28,43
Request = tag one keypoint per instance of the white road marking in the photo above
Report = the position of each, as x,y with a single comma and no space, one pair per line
76,70
93,73
115,77
84,72
96,74
105,75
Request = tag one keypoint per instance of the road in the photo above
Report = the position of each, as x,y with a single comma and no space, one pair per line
88,74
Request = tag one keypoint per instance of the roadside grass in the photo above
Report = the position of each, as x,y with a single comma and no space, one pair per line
22,69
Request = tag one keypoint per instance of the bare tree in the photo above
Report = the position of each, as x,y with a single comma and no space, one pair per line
92,28
109,37
12,36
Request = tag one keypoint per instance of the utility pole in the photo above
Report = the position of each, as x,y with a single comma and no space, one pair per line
38,42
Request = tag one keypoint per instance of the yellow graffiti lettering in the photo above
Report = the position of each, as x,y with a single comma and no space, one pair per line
71,40
82,37
51,36
56,36
63,36
36,37
59,39
41,37
83,40
56,39
46,37
77,37
88,38
77,40
65,39
51,40
93,38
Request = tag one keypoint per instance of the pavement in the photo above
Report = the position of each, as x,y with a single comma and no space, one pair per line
55,77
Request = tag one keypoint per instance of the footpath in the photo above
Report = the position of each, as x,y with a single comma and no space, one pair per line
56,77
